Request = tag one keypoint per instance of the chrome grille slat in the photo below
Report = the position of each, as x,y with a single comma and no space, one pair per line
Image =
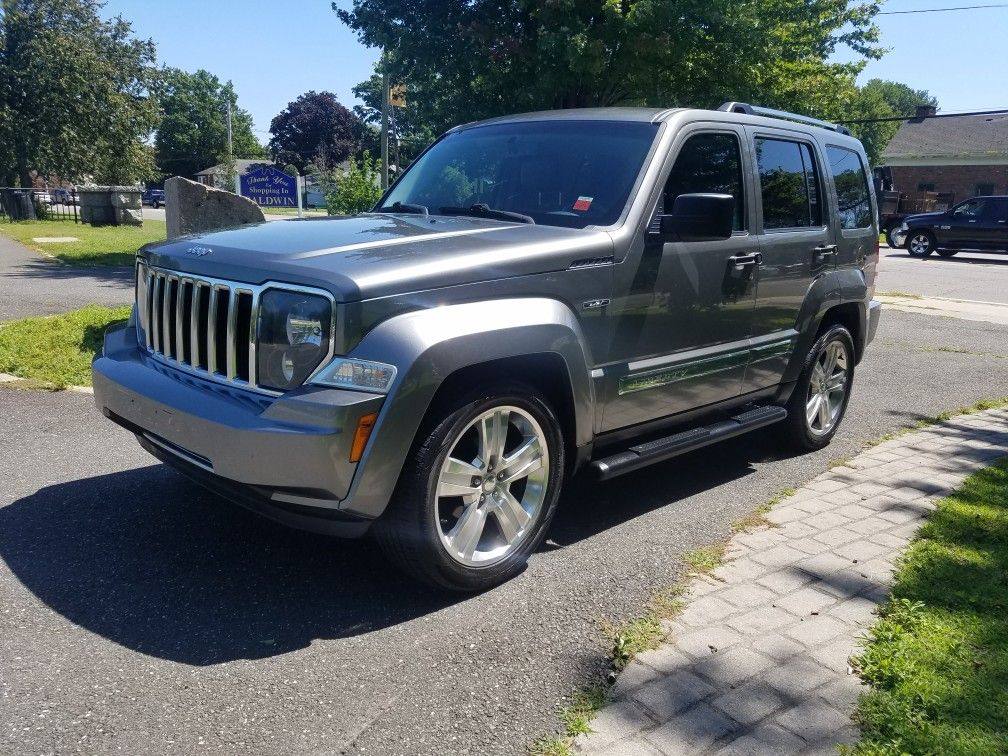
211,342
194,346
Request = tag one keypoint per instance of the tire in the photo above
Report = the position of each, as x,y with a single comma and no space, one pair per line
809,435
920,243
891,239
947,252
432,535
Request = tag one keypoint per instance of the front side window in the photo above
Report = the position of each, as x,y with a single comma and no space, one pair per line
559,173
970,209
851,183
708,163
789,184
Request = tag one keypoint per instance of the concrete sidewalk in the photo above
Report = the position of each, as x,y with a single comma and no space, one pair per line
31,284
757,662
964,309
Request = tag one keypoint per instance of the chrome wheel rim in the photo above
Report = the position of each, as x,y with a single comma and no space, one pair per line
827,389
898,237
491,486
920,244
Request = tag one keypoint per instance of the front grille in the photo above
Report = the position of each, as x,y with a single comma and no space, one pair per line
202,325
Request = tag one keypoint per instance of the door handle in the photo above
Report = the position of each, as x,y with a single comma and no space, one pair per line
744,261
825,250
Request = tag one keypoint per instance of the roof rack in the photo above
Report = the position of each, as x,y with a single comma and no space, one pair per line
742,107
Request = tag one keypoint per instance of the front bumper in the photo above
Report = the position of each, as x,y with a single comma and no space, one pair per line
285,457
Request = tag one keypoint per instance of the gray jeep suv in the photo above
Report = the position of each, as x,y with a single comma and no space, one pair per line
600,289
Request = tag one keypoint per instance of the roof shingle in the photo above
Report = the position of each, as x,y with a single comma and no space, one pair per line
974,136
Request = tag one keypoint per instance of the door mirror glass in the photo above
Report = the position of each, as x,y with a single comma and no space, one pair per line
699,217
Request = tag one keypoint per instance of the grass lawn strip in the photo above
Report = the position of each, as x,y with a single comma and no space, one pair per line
937,660
95,245
56,351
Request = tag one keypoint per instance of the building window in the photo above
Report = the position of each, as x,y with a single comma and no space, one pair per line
925,186
983,190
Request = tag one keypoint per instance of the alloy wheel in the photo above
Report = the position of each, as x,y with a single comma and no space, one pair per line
920,244
492,486
827,389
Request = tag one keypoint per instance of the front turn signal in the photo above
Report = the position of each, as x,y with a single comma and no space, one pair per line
361,436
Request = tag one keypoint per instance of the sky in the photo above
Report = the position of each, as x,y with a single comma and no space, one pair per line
275,50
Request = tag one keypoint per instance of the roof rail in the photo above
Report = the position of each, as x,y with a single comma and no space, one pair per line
742,107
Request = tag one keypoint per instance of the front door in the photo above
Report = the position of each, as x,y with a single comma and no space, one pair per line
683,310
796,241
963,223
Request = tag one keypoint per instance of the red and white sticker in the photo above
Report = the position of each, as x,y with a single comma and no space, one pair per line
583,203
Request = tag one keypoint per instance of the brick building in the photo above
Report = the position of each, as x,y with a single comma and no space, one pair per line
962,155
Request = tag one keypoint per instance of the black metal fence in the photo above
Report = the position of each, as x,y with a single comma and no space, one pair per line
38,204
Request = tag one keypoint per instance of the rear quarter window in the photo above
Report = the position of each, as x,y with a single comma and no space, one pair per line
851,181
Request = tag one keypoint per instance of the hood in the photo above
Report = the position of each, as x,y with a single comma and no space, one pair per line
923,217
379,254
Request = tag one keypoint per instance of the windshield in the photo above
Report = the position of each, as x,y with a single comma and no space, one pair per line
558,173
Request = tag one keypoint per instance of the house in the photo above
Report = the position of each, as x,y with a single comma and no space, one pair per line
214,175
963,155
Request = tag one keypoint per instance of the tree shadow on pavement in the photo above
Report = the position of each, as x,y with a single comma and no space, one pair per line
153,562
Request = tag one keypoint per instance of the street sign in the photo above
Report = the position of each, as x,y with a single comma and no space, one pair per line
269,187
397,95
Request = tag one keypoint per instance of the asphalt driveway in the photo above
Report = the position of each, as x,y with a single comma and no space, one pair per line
139,613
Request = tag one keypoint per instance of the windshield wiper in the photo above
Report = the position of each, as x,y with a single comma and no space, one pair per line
481,210
404,207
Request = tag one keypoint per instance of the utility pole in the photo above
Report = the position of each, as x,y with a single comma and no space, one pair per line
230,148
384,123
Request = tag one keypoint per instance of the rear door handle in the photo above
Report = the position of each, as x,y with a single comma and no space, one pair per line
744,261
826,250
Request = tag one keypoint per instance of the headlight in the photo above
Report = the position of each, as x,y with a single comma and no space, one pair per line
364,375
293,337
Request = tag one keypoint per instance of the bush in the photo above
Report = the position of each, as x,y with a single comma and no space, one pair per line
356,191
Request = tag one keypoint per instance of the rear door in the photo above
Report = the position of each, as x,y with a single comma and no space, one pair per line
796,242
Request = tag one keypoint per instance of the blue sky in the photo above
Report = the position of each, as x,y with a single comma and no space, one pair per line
275,50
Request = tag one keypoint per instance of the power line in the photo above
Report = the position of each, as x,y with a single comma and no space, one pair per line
929,117
941,10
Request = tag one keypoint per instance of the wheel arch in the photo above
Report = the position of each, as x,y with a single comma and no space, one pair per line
442,351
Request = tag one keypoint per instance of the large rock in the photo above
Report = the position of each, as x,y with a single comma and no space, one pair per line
110,205
191,207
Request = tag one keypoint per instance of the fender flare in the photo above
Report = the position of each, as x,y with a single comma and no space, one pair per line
427,346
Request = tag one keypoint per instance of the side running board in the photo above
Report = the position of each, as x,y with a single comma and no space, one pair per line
661,449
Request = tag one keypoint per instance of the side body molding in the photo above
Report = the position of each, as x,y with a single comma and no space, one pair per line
427,346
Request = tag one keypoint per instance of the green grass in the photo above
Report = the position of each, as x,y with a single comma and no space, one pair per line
899,294
758,517
980,406
56,351
97,245
576,718
937,660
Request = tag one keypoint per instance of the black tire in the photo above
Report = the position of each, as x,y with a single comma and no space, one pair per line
797,430
920,243
410,531
947,252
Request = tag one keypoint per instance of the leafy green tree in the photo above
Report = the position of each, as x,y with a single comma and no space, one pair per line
515,55
193,131
353,191
408,133
75,94
903,100
314,122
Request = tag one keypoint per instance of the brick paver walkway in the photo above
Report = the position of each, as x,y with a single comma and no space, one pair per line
757,661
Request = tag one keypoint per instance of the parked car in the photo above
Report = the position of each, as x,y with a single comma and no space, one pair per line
537,294
153,197
61,197
979,224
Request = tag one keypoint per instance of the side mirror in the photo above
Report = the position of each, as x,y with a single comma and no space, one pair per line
699,217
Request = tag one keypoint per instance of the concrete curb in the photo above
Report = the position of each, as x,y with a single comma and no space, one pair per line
758,660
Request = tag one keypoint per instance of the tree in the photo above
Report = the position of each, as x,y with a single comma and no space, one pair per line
408,135
353,191
75,94
903,100
193,131
880,99
314,122
515,55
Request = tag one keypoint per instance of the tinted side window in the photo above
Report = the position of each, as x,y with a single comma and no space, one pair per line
972,209
708,163
851,187
789,183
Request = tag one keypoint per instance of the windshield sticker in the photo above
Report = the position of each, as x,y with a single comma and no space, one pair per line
583,203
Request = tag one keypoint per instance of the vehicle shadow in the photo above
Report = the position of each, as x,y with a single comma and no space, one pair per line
151,561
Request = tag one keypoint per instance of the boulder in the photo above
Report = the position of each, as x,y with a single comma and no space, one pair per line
191,207
110,205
